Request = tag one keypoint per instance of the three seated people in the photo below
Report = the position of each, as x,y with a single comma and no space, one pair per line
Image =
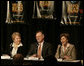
42,49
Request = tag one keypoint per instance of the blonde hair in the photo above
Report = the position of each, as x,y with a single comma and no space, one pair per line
14,34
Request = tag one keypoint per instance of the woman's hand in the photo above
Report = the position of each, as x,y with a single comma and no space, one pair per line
66,57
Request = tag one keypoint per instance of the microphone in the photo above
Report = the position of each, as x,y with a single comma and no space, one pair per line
11,45
37,44
59,49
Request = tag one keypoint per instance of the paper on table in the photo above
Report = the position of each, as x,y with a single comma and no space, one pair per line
71,61
5,57
33,58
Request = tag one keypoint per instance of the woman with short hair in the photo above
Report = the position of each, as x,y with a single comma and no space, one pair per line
65,50
16,46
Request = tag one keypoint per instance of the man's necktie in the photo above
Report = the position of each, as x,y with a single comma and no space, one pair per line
39,51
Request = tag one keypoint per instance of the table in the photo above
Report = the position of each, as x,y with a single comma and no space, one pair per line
40,62
32,62
7,60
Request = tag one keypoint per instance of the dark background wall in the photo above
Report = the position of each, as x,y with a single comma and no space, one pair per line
51,28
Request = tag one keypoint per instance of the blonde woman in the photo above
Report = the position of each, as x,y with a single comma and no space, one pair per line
16,46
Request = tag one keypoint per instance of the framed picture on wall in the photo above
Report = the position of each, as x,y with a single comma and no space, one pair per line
43,9
71,12
14,12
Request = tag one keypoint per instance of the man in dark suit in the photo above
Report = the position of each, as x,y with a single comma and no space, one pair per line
40,49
